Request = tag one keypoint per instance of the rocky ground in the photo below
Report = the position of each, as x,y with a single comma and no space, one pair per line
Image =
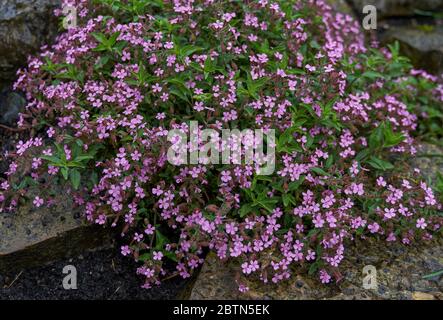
399,273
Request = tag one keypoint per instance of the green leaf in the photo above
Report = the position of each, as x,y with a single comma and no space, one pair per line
380,164
113,39
161,240
255,85
439,183
65,172
83,157
313,268
245,209
296,184
329,161
269,205
433,275
372,75
94,178
288,199
391,138
144,257
27,181
52,159
100,37
179,94
188,50
170,255
376,138
320,172
263,178
75,178
362,155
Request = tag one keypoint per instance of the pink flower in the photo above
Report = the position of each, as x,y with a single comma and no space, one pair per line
157,191
254,266
243,288
101,220
252,37
328,201
226,176
140,192
311,255
374,227
389,213
156,88
38,202
138,237
248,268
421,223
355,188
231,228
5,185
149,229
165,97
125,250
50,132
169,45
198,106
158,255
324,277
318,221
310,68
391,237
217,25
135,156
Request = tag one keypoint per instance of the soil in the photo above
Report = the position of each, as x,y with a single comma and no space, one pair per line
102,275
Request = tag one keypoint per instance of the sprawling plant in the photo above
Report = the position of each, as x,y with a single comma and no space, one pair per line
103,98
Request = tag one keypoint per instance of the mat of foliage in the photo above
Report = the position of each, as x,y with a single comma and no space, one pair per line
346,115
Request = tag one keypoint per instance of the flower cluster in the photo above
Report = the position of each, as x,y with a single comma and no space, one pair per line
102,99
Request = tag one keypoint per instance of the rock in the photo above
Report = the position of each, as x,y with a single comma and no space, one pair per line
424,46
396,8
34,236
399,276
25,25
11,104
428,161
341,6
422,296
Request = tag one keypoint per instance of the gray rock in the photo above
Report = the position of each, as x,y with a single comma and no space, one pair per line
399,276
396,8
423,46
11,104
25,25
429,161
33,236
341,6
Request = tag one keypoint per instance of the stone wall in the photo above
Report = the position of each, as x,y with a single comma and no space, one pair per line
25,25
416,24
